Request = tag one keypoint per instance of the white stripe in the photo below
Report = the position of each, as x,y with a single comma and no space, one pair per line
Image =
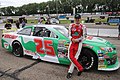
72,66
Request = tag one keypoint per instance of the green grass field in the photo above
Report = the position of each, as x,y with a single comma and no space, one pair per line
34,21
66,21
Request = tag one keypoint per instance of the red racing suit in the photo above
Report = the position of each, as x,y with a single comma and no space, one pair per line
76,31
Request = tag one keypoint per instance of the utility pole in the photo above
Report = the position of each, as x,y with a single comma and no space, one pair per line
49,8
57,7
0,11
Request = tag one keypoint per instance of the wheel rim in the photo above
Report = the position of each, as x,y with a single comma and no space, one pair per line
17,51
87,61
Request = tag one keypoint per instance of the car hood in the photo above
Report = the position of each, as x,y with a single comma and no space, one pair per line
98,41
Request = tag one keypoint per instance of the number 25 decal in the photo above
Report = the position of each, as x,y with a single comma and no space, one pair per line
48,47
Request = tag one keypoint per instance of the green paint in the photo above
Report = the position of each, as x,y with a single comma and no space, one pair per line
65,61
31,46
9,47
3,41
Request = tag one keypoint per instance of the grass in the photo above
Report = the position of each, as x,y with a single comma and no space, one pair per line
102,20
96,20
65,21
34,21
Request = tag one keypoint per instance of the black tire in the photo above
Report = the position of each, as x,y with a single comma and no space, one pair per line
118,37
88,59
17,49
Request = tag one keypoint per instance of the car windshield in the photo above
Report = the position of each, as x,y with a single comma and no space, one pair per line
62,30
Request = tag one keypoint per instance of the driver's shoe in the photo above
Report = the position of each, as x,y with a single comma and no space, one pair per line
69,75
79,73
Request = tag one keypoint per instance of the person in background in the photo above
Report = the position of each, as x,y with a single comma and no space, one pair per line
77,36
119,31
17,24
8,25
48,21
23,23
40,20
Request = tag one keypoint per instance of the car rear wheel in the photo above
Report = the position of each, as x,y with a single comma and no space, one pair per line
17,49
118,37
88,59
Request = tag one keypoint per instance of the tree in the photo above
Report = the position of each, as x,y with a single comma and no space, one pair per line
8,10
63,6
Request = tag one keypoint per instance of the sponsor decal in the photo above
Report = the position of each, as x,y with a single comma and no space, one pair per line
89,37
44,47
106,53
99,51
75,34
91,46
106,56
101,58
101,66
6,45
73,29
29,52
86,45
10,36
61,43
62,55
101,62
100,54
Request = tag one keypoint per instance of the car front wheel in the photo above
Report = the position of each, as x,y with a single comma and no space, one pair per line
87,59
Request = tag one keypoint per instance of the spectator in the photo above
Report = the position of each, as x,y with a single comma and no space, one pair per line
8,25
48,21
23,23
119,31
17,24
40,20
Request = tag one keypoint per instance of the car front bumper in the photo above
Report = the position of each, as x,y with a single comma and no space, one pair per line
110,67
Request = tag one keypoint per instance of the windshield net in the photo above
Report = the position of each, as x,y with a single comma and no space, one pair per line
62,30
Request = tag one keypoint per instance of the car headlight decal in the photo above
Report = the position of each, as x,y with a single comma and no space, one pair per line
107,49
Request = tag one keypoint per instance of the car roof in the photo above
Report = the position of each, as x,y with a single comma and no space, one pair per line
51,26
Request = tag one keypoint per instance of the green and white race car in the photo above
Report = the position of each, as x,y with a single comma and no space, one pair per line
50,43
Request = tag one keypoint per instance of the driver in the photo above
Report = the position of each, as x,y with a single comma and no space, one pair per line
76,35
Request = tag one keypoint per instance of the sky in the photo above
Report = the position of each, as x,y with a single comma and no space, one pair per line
18,3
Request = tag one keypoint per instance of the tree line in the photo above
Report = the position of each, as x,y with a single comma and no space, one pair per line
63,6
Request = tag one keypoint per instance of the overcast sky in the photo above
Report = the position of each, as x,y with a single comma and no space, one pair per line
17,3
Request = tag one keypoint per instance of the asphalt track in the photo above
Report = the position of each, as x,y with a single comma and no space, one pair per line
25,68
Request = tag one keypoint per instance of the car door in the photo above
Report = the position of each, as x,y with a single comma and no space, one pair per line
27,41
46,44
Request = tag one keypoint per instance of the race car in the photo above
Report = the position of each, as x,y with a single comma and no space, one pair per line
50,43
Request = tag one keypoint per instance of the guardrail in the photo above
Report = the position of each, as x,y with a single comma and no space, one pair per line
102,32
